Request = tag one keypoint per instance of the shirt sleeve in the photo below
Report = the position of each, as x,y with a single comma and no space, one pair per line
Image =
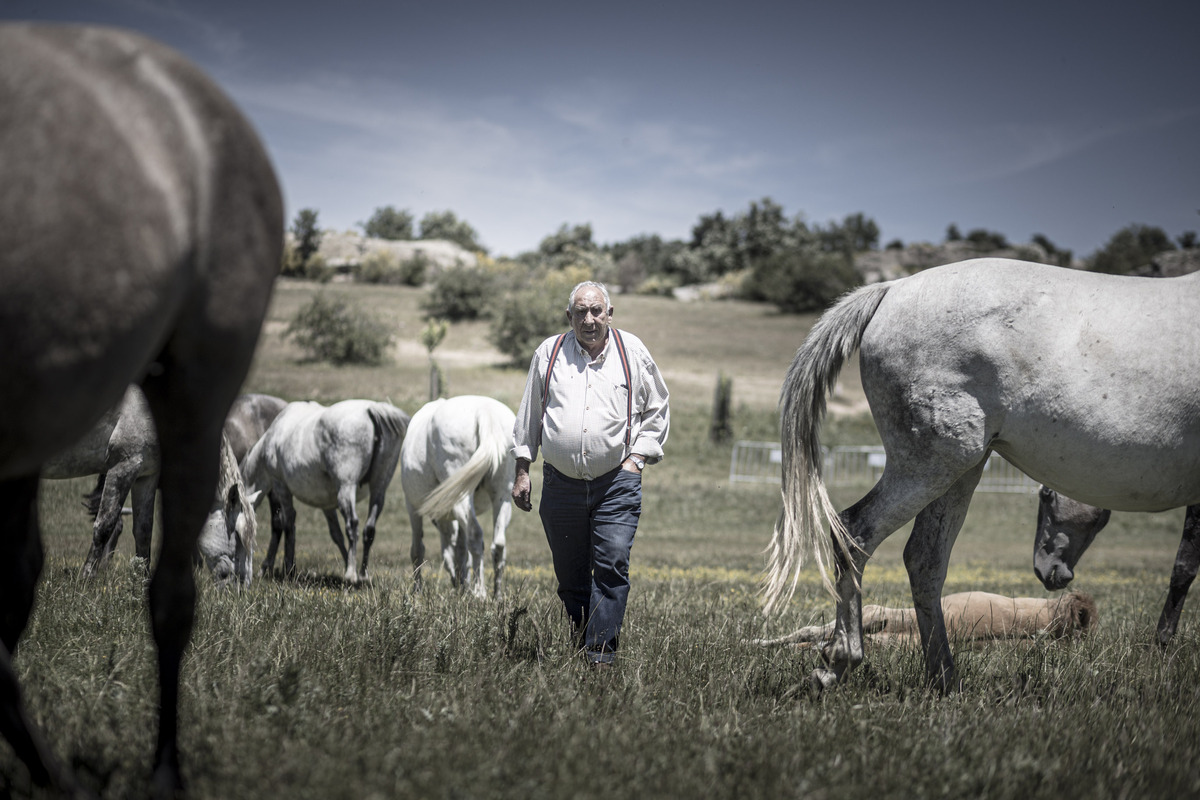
527,430
654,412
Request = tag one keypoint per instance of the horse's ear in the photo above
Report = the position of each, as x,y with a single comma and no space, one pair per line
252,498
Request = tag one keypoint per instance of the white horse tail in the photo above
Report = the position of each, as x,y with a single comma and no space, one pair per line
806,506
488,457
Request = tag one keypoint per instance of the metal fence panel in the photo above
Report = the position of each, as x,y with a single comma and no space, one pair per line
760,462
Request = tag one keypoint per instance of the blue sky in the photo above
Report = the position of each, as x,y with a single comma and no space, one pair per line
1069,119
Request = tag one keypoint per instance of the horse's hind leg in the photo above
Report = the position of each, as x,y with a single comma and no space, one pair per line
105,527
375,508
469,528
20,566
1187,562
896,499
926,557
416,551
335,534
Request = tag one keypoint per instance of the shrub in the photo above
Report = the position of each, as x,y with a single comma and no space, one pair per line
461,293
802,280
384,267
525,317
330,329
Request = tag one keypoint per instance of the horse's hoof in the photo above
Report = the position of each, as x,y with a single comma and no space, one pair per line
822,679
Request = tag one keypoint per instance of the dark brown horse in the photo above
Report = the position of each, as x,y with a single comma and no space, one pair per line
1066,528
142,230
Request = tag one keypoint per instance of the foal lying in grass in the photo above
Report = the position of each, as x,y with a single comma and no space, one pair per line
970,616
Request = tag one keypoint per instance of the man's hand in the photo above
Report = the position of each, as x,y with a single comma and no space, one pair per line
522,487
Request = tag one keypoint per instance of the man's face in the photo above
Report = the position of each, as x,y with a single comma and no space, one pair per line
590,318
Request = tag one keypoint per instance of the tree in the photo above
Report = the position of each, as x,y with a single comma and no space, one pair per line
308,235
445,225
389,223
1129,248
985,241
952,234
1060,257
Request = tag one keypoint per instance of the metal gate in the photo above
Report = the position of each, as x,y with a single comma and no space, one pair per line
761,462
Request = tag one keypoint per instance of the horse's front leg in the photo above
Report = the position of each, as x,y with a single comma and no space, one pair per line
142,501
1187,562
926,557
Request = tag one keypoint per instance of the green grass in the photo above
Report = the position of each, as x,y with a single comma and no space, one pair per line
313,689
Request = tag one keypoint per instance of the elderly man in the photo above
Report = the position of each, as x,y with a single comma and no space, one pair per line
596,405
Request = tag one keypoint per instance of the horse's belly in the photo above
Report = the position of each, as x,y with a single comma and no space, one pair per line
1118,479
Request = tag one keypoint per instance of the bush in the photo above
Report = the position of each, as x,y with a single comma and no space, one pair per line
802,280
330,329
461,293
384,267
526,317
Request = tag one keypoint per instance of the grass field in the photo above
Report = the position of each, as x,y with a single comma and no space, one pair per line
314,689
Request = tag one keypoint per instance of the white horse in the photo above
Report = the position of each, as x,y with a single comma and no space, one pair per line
1066,528
327,457
1086,382
142,233
226,542
458,455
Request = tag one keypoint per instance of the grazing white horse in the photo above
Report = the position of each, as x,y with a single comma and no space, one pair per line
458,455
1087,383
227,539
142,233
1065,530
327,457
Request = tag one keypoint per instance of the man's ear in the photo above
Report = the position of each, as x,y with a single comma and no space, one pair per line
567,317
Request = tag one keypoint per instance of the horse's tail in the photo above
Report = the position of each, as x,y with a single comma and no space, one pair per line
489,456
806,505
391,424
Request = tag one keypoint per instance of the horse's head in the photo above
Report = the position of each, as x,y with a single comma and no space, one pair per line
1065,529
226,541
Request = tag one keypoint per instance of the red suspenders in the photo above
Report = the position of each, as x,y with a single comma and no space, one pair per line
624,367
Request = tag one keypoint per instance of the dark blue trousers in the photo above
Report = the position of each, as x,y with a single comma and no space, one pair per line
590,526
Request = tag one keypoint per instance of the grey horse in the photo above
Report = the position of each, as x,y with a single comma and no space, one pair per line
325,457
123,449
1085,382
1066,528
143,230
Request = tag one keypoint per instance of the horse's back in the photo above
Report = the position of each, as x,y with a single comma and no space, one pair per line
137,204
1087,382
